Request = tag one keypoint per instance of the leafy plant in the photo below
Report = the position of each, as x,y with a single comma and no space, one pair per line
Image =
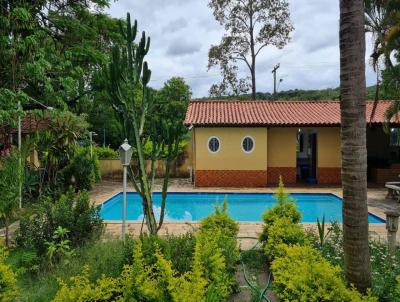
57,144
105,153
74,212
82,170
10,181
25,262
177,249
283,232
31,184
322,232
385,272
284,207
59,247
225,230
154,273
8,279
302,274
81,289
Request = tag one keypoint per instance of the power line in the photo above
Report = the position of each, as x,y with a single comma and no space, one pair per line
217,74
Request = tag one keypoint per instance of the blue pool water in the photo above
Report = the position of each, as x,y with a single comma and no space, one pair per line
241,206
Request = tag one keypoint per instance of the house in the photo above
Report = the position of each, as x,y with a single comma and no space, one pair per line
30,124
252,143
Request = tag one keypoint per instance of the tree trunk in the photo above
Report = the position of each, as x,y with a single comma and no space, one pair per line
353,144
7,235
253,81
151,222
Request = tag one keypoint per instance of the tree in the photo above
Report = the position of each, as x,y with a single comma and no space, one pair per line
251,25
382,19
377,22
172,102
353,144
57,144
139,110
53,52
10,178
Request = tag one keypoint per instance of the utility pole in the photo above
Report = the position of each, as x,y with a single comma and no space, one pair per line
276,67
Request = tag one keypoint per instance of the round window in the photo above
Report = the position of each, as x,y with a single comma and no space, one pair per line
248,144
213,144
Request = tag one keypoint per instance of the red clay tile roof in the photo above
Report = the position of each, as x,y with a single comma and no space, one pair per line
280,113
31,123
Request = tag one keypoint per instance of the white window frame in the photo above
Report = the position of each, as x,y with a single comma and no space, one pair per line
254,144
208,144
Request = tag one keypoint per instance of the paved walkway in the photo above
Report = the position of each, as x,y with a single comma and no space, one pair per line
377,205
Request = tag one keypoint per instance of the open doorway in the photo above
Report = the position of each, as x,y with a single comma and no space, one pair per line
306,159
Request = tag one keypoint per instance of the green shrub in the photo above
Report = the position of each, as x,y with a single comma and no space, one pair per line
25,261
284,207
83,170
211,258
30,188
397,291
225,231
104,258
81,289
72,211
177,249
385,270
303,274
105,153
281,233
187,268
8,279
188,287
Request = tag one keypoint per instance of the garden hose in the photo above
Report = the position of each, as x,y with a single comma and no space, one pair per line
262,295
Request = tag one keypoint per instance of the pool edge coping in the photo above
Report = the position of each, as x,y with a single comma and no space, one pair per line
371,210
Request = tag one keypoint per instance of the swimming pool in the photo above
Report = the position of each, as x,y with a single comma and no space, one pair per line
241,206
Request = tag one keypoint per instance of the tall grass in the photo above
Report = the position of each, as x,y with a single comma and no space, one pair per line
105,257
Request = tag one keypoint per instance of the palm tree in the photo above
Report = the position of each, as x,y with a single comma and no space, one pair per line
353,141
377,22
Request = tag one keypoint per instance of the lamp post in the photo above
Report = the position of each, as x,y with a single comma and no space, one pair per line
125,154
91,134
392,225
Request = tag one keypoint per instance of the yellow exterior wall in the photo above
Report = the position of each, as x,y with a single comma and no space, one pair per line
282,146
230,155
274,147
328,152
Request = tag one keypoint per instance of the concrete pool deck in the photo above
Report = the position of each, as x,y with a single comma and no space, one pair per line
377,205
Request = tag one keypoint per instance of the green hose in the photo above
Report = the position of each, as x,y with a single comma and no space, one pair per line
262,295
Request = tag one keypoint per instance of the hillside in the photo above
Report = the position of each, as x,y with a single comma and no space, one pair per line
298,94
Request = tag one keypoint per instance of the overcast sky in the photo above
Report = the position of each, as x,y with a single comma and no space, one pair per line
182,31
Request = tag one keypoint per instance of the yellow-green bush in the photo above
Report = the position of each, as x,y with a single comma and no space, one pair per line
8,279
189,287
82,290
222,230
281,233
156,279
284,207
303,274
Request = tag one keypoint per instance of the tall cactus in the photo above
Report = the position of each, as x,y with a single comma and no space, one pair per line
127,78
127,73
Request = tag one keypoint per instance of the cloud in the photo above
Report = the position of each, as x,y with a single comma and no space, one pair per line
183,47
175,25
182,32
